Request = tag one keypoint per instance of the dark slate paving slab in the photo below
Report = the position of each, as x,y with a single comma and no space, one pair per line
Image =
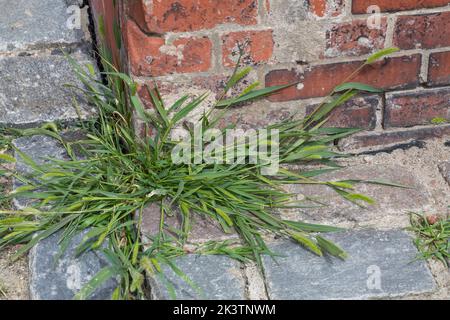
28,24
39,148
32,90
380,265
219,278
61,279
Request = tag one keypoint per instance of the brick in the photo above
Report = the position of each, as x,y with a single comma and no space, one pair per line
357,113
326,8
416,108
316,81
423,31
258,47
318,7
360,6
299,274
191,15
389,201
217,277
108,11
173,89
152,56
372,140
439,69
32,90
261,114
203,228
354,38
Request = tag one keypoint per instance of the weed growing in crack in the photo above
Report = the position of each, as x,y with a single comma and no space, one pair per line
113,174
433,237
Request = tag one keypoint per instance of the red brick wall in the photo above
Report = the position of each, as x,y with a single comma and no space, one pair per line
190,46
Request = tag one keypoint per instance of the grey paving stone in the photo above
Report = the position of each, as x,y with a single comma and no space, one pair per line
390,202
32,90
387,256
29,24
218,277
61,279
38,148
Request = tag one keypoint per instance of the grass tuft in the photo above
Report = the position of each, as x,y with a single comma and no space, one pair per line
433,237
113,174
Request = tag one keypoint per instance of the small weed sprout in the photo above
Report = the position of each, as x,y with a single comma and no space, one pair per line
433,237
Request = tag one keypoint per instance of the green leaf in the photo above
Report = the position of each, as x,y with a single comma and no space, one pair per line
308,227
189,108
380,54
331,248
224,216
159,105
325,109
238,76
101,277
357,196
252,95
7,157
307,242
137,104
357,86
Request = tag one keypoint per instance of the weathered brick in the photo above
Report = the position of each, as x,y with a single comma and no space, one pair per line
416,108
258,47
106,16
318,7
366,140
152,56
423,31
177,87
360,6
203,228
261,114
356,113
191,15
439,69
354,38
326,8
317,81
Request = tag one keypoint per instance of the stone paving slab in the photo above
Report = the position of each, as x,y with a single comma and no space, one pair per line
61,279
32,90
37,148
392,203
218,277
30,24
380,265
